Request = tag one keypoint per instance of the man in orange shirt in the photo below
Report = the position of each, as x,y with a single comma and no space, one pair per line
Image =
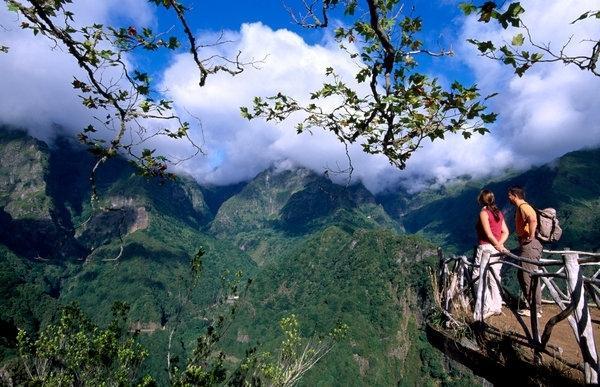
530,247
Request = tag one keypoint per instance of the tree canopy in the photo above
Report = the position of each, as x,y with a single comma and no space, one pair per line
525,50
401,106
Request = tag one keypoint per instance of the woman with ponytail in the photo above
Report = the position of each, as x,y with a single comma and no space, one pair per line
492,232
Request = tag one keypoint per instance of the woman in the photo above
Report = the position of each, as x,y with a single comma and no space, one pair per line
491,233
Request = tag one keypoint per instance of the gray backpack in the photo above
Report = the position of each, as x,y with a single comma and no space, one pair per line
548,229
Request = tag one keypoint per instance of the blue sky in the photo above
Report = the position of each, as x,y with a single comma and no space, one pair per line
441,20
553,109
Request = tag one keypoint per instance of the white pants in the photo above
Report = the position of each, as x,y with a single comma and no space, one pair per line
492,300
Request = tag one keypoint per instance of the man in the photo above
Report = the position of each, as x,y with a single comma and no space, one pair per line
530,247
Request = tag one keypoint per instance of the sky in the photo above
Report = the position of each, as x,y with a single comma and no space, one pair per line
551,110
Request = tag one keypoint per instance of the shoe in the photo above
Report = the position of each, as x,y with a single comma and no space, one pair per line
527,313
491,313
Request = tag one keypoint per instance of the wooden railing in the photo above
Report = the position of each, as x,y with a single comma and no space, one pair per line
459,291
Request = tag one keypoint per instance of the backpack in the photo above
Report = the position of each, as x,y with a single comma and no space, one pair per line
548,229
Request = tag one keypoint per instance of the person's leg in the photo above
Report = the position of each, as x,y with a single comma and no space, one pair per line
494,287
524,277
537,255
532,250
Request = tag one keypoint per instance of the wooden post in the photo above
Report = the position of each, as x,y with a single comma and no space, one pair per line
560,302
535,331
584,331
479,303
463,280
442,275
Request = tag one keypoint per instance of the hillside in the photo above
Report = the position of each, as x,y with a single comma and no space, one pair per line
571,184
277,209
77,254
371,280
325,252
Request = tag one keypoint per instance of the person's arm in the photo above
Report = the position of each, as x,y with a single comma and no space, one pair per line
503,237
485,222
531,220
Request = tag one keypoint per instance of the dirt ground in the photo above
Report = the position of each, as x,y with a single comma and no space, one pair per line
562,335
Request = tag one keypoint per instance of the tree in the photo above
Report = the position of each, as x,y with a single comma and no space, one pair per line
297,355
402,106
523,58
122,96
76,352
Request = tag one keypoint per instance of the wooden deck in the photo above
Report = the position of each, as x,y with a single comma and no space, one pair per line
501,343
502,354
562,336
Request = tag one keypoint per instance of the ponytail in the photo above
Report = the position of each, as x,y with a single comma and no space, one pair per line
486,198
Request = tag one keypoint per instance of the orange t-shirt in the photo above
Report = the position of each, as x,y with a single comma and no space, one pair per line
523,212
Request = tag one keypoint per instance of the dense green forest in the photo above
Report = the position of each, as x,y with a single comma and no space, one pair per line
340,261
114,269
328,254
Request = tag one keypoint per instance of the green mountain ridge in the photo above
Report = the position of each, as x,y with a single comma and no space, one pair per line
571,184
136,249
325,252
370,280
278,209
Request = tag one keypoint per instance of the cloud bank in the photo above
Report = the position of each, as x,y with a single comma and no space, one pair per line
553,109
35,86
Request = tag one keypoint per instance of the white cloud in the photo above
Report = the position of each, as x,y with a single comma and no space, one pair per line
35,87
239,149
553,109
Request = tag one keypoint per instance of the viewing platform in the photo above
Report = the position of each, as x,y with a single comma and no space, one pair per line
559,348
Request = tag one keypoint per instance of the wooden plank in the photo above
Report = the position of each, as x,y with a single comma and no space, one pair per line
582,317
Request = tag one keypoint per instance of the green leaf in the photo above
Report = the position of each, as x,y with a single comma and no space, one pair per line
515,9
535,57
487,10
12,6
583,16
521,69
484,47
518,40
489,118
173,43
245,113
467,8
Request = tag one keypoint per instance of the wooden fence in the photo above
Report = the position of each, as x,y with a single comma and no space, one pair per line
459,290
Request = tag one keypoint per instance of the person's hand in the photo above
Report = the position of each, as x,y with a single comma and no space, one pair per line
500,247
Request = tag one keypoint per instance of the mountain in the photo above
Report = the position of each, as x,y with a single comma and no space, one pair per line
278,209
322,251
29,222
325,252
134,246
571,184
371,280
